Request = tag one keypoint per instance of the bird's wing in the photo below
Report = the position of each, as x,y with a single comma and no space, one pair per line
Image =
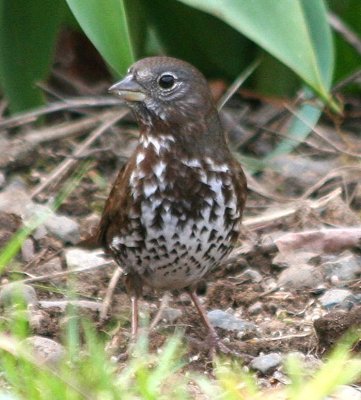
114,209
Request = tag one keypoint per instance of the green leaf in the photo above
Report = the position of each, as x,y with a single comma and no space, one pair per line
27,36
199,38
115,27
266,78
294,31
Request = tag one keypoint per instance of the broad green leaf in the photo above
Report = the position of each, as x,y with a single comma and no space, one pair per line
294,31
266,78
27,37
115,27
210,44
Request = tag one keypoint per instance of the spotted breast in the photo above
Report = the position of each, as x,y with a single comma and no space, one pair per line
183,215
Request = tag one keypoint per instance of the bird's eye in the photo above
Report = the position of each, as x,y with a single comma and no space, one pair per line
166,81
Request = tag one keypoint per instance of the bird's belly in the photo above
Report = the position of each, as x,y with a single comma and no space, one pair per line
175,251
179,254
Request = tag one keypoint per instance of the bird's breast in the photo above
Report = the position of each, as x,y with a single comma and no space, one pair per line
183,218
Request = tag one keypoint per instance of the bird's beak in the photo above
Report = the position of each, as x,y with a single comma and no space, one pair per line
128,89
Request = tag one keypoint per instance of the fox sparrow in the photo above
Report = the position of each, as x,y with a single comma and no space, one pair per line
175,209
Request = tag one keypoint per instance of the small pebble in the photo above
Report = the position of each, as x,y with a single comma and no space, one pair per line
40,232
15,292
50,267
14,200
46,350
255,308
27,250
39,320
350,301
310,362
184,299
171,315
63,228
332,297
345,267
266,363
281,377
347,393
286,260
221,319
78,258
60,226
300,276
251,275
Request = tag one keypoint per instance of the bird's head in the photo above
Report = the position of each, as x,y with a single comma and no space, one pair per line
165,91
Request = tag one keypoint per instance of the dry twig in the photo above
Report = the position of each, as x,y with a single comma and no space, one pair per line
48,277
63,167
331,175
68,104
346,32
271,216
20,148
118,272
158,316
322,136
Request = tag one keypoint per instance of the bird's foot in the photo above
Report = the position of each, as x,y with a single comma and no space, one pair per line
217,346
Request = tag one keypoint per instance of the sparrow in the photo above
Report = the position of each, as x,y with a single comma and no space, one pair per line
174,212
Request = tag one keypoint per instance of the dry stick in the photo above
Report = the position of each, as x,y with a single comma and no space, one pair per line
295,140
61,274
68,163
272,339
332,174
344,82
321,135
77,84
50,91
65,130
256,187
255,222
68,104
163,304
20,148
346,32
237,84
109,294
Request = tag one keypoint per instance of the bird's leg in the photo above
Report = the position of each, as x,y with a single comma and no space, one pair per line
135,317
215,341
134,286
134,331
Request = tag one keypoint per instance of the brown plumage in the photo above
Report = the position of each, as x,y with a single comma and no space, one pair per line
175,209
